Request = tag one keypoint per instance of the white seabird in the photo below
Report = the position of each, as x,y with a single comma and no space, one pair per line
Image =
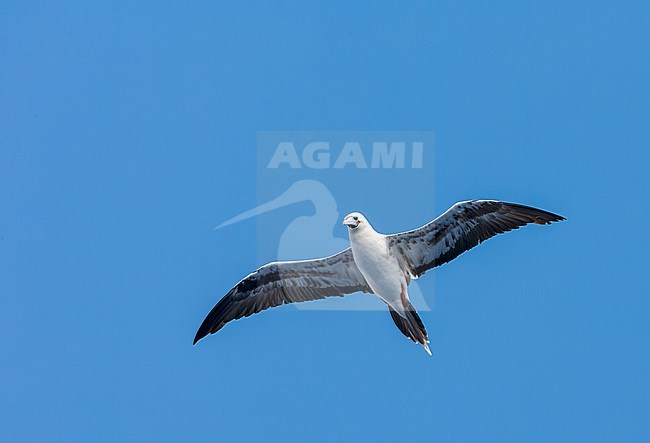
375,263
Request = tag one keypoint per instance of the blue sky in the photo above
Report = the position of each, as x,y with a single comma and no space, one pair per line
128,131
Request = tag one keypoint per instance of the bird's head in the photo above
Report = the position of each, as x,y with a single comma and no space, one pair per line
354,221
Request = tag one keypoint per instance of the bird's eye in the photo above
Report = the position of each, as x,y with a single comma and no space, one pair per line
356,218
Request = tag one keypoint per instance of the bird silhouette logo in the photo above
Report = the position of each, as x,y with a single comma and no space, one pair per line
312,236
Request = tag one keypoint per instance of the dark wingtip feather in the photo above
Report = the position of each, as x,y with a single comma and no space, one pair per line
206,327
213,322
540,217
548,219
199,335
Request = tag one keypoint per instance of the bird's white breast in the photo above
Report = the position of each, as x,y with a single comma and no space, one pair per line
379,267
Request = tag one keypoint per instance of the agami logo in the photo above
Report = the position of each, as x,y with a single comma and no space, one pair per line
304,188
351,154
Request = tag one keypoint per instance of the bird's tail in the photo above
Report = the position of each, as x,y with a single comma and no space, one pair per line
411,326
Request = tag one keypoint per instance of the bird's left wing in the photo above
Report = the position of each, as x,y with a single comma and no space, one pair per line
284,282
463,226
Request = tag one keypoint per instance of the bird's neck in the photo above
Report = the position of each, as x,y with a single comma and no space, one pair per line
363,235
367,245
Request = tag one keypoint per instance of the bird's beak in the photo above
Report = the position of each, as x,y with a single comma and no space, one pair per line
350,222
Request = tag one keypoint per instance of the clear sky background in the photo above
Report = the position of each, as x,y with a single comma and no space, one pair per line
128,131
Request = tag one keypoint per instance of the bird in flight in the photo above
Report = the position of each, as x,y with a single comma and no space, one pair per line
375,263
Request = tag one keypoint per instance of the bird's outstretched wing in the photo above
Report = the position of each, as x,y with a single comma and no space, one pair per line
463,226
279,283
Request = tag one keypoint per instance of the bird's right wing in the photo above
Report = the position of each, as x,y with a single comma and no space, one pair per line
279,283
